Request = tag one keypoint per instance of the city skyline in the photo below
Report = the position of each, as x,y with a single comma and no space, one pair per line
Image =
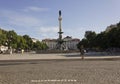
39,18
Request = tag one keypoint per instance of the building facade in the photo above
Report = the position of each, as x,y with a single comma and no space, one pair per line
69,43
51,43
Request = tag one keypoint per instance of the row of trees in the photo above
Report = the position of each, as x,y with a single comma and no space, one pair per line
11,39
103,40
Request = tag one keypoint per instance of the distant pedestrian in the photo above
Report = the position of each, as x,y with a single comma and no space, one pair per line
22,51
82,51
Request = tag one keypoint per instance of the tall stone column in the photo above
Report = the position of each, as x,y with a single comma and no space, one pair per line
60,27
60,41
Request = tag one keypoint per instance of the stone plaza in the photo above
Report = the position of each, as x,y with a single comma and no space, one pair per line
30,68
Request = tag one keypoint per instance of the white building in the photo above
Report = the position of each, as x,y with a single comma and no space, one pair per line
51,43
69,42
111,27
34,40
3,49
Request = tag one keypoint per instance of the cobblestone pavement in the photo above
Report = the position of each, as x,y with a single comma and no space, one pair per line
62,72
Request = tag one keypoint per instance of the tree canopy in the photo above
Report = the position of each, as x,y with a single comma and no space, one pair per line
11,39
102,40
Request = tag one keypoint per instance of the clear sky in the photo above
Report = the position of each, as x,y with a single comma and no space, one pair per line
39,18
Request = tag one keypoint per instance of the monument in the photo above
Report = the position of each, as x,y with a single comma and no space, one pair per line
60,42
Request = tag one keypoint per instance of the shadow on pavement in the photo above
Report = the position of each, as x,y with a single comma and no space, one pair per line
72,55
92,54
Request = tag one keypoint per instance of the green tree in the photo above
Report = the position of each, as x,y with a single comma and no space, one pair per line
2,37
83,42
114,37
101,41
40,46
12,39
90,37
44,46
21,43
29,42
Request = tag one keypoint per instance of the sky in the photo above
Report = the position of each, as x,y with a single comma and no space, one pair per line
39,18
